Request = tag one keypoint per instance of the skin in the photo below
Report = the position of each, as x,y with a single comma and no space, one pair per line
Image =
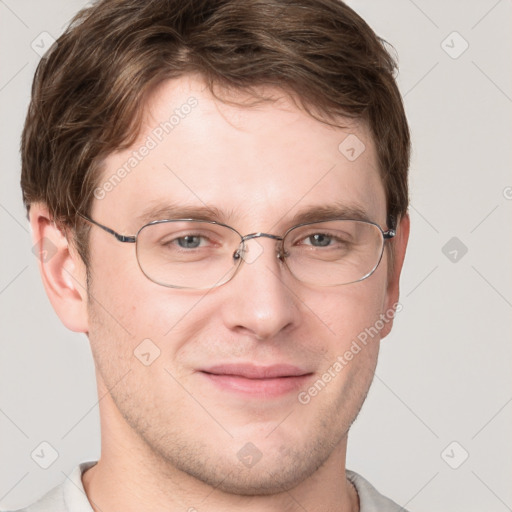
170,438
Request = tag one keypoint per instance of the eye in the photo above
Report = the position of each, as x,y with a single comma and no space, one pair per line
189,241
319,240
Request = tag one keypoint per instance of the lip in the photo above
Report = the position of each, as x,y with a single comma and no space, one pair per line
249,379
251,371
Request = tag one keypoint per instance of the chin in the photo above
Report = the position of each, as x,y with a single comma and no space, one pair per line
279,469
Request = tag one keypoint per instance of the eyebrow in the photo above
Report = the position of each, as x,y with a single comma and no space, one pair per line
330,211
318,213
181,211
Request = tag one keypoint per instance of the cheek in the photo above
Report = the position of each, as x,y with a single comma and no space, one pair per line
349,310
131,315
136,329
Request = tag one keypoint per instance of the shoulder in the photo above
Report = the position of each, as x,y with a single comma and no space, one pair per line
371,500
66,497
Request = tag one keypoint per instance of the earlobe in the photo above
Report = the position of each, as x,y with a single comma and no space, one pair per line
62,270
393,286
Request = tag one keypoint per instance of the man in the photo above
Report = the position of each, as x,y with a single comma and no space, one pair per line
223,187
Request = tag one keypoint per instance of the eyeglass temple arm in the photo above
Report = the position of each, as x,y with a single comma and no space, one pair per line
391,232
121,238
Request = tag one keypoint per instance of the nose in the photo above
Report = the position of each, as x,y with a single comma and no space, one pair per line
260,301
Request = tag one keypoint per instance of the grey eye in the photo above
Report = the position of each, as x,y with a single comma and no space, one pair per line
189,241
320,240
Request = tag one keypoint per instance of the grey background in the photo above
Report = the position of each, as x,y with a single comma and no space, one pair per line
444,373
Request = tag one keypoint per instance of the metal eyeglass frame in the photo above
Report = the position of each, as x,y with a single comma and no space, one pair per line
132,239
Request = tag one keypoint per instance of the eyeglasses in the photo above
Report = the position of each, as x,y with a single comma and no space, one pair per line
198,254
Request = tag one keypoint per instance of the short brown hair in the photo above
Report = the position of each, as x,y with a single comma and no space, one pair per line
89,90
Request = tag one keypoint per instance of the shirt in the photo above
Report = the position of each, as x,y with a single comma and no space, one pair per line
69,496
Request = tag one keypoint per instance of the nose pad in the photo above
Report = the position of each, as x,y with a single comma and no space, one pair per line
238,253
250,252
281,253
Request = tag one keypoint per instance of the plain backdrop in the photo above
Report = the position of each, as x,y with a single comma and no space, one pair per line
434,433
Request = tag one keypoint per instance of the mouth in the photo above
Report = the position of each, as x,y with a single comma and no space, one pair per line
263,381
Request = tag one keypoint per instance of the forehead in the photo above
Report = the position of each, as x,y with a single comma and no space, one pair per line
255,164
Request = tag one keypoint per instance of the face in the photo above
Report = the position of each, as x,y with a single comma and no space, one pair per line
206,405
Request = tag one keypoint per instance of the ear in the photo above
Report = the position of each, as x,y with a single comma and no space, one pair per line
62,269
393,287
